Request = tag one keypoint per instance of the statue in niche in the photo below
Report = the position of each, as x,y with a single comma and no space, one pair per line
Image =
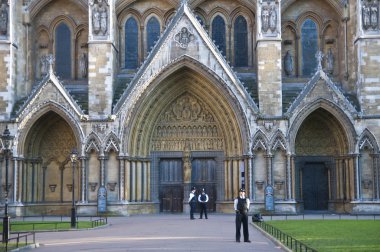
288,63
273,19
186,162
83,63
44,65
374,15
3,19
366,16
319,56
330,61
265,19
99,17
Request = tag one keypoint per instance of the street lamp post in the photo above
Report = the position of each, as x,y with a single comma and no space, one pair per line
74,158
7,139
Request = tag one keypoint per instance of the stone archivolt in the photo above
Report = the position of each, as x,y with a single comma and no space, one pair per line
187,119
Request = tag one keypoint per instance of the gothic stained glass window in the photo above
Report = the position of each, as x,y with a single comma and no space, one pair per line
219,33
63,51
131,44
153,32
241,42
309,40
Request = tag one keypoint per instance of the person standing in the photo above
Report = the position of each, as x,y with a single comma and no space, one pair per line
241,206
203,199
192,202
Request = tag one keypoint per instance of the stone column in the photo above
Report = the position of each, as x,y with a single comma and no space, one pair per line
102,58
357,177
102,170
83,177
269,57
367,49
288,177
121,177
269,161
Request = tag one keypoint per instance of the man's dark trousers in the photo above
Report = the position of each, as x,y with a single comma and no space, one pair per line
203,209
192,209
242,218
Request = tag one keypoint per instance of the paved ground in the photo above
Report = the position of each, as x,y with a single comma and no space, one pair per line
160,232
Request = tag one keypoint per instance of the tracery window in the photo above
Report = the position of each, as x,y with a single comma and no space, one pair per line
63,51
309,40
219,33
131,43
241,42
153,32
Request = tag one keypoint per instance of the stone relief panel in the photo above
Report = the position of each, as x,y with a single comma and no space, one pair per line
188,123
269,18
4,19
370,15
183,38
100,17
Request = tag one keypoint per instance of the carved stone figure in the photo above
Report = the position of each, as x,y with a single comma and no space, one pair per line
83,63
366,16
374,16
184,37
319,55
288,63
43,65
330,61
273,19
265,19
4,19
99,17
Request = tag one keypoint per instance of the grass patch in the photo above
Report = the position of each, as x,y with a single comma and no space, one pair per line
20,226
334,235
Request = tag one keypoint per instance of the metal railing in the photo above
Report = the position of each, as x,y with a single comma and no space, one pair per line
18,239
284,238
99,222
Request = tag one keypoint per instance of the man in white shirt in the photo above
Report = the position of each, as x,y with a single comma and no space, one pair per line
192,202
241,206
203,199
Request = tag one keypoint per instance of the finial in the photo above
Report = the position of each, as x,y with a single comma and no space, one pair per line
319,55
184,2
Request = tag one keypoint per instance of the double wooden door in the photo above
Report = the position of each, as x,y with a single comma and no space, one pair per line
315,191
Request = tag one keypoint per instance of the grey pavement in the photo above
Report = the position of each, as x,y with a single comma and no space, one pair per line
161,232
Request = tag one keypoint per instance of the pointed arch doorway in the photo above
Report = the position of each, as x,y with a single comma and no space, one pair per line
321,168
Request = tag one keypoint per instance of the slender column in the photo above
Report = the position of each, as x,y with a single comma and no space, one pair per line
15,179
20,180
288,177
83,189
249,176
292,175
357,177
102,170
269,161
121,178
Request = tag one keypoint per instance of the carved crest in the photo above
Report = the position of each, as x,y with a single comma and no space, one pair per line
183,38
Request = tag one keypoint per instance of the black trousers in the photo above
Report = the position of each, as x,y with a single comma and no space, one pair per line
242,218
193,205
203,209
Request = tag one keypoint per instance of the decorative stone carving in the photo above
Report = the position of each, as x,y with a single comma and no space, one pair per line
52,187
93,186
99,16
187,121
259,184
44,65
330,61
183,38
319,56
264,18
273,19
111,186
288,63
69,187
366,16
187,163
278,184
374,15
83,65
366,183
4,19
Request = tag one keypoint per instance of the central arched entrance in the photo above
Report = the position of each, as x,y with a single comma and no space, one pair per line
321,168
186,126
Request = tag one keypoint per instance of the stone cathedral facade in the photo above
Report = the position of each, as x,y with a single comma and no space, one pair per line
159,96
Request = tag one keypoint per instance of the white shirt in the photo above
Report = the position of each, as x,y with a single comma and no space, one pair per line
236,202
199,198
192,195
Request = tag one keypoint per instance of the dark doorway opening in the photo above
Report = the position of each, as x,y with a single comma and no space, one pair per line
171,185
315,191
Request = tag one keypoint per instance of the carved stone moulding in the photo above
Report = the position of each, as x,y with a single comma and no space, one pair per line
260,184
69,187
52,187
111,186
93,186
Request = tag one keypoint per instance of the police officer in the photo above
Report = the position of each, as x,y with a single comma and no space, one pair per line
241,205
192,202
203,199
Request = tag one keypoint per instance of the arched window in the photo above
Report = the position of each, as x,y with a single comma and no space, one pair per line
219,33
309,40
200,20
153,32
63,51
241,42
131,43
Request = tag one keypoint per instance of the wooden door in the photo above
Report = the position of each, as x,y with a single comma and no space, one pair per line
203,176
315,189
171,185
